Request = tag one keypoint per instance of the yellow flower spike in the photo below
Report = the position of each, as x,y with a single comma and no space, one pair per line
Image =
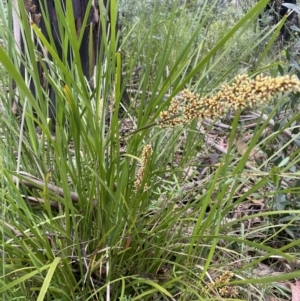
243,93
146,154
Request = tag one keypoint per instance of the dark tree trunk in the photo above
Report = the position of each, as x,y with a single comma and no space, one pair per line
278,11
35,8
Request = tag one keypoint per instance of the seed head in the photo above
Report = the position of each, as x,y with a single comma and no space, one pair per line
146,153
224,290
243,93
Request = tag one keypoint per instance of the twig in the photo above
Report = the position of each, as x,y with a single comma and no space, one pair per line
35,183
18,233
272,123
32,182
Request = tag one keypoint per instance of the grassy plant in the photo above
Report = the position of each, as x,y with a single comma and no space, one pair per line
98,214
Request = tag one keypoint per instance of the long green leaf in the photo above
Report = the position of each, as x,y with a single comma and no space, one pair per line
47,281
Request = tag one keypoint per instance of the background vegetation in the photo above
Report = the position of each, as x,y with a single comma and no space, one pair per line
125,208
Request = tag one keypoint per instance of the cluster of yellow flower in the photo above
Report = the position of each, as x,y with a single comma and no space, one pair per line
224,290
243,93
146,153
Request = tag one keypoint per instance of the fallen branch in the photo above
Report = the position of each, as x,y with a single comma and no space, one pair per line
35,183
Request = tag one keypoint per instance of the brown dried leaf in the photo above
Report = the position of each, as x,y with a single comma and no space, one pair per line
264,270
242,147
